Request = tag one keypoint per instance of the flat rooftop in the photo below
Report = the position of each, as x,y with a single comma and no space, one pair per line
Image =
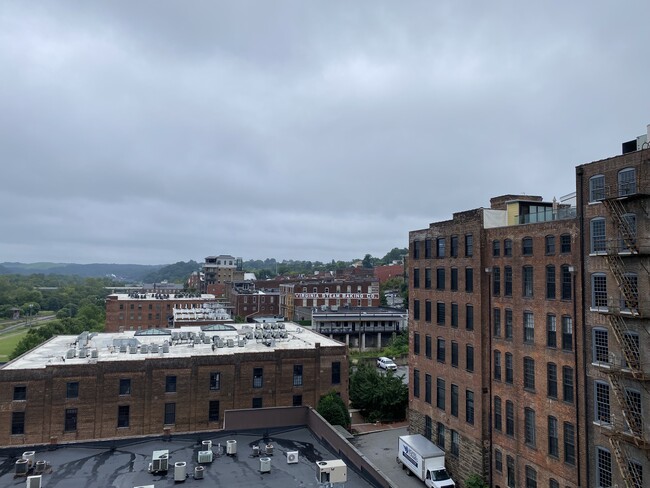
182,342
124,463
162,295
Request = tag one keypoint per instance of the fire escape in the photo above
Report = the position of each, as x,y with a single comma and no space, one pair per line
624,259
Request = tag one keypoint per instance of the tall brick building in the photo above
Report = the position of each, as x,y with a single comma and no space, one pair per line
219,270
99,386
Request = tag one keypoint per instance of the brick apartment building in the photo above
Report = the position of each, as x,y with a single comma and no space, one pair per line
219,270
250,302
99,386
137,311
529,337
388,271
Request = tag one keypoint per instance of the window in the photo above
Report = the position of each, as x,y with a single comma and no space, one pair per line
551,380
603,467
596,188
469,245
170,384
257,402
213,410
427,278
496,248
469,317
416,383
440,313
125,386
510,476
601,403
507,276
440,247
550,282
416,343
469,357
72,389
636,472
567,333
527,246
509,374
551,330
440,278
70,422
416,309
258,377
569,443
496,281
498,460
440,434
567,384
529,426
20,393
428,424
626,182
633,358
454,400
599,290
527,281
565,243
416,278
469,406
427,346
630,295
122,416
17,423
427,311
455,443
454,315
427,248
170,413
454,354
507,247
600,346
440,350
497,413
529,373
549,245
416,249
566,282
454,279
529,327
427,388
531,477
627,233
553,437
508,323
297,375
336,371
469,280
510,418
440,393
497,365
633,408
496,322
598,237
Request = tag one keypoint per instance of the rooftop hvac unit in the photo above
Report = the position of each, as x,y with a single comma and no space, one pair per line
34,481
94,353
154,348
133,349
145,486
160,461
256,451
29,457
165,348
292,457
70,354
269,449
144,349
231,448
198,472
207,445
242,342
231,343
123,348
334,471
21,467
39,467
265,465
180,471
205,457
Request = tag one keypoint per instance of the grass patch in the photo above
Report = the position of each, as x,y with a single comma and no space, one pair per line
8,343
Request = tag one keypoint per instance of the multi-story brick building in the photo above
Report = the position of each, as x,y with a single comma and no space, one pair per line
614,203
219,270
98,386
137,311
491,292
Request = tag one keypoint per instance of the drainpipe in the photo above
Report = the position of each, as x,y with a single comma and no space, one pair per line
583,328
489,382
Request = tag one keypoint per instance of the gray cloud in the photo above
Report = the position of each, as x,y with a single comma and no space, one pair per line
153,132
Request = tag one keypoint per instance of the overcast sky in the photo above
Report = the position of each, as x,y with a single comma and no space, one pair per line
153,131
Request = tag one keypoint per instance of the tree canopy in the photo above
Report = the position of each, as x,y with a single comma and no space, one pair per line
378,396
332,409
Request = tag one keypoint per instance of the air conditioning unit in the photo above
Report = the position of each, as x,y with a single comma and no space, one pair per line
34,481
160,461
265,465
21,467
292,457
335,471
180,471
145,486
205,457
231,448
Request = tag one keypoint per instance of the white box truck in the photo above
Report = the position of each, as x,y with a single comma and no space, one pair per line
424,459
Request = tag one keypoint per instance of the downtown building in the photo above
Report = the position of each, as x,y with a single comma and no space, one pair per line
529,339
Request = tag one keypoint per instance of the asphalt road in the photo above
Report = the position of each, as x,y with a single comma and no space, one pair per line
24,323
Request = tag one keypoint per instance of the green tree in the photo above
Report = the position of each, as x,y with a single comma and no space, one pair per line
378,396
475,481
332,409
367,261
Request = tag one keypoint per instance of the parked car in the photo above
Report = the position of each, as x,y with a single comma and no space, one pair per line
386,363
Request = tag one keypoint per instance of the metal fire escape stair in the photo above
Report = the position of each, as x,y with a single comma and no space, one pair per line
627,233
631,477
